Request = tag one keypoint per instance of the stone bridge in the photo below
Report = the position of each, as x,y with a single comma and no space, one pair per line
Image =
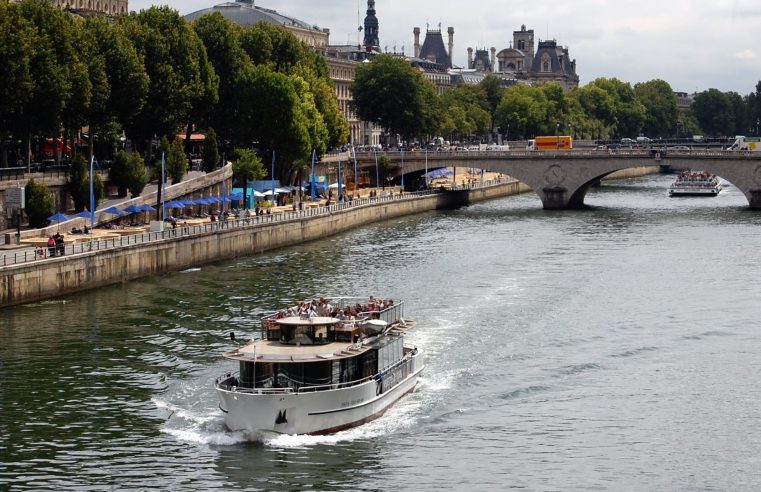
562,179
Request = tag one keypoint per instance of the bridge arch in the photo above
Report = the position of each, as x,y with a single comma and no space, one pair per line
562,180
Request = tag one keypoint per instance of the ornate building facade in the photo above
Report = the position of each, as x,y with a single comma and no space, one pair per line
108,8
532,63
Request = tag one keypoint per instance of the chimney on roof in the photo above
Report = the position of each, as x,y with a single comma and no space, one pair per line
451,45
416,32
470,57
493,59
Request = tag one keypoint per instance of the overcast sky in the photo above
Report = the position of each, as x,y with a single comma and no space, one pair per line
692,44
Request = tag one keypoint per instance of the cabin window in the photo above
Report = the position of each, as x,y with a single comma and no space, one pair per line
369,364
350,370
246,375
299,375
305,335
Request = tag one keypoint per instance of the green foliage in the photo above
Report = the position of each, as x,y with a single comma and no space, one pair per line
40,204
118,174
390,92
463,112
137,177
181,80
660,103
210,155
714,112
176,161
17,41
247,165
78,184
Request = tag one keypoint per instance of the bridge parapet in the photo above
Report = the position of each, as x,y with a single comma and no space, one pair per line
562,179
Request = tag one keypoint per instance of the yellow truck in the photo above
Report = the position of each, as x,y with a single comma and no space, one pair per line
561,142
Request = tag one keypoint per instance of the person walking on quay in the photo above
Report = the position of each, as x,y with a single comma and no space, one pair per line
51,246
60,246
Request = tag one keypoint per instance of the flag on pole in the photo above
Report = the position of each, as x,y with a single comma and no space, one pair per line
163,186
92,194
312,190
273,178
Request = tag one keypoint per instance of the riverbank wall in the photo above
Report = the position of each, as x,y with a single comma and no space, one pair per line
59,276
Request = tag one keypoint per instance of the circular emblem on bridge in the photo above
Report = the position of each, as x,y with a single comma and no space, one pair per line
757,175
555,175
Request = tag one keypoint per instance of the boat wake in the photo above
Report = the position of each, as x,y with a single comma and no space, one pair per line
206,428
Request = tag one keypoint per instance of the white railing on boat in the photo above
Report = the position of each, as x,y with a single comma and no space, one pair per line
221,381
390,314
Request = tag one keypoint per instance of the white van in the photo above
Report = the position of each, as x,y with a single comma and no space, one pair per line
498,148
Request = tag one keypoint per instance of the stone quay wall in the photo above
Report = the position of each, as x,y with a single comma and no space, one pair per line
61,276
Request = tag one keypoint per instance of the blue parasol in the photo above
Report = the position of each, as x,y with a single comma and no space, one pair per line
146,208
59,217
133,209
84,214
112,211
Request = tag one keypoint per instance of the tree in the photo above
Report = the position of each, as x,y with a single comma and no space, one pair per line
714,112
17,40
137,177
118,174
492,87
524,109
78,184
179,77
660,102
391,93
222,40
269,112
247,166
40,204
54,69
176,161
210,155
118,77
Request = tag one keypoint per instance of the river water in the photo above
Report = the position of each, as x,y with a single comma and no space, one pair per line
611,348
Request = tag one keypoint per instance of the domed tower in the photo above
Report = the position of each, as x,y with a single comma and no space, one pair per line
372,43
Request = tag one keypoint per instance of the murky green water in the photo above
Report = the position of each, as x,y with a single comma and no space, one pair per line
613,348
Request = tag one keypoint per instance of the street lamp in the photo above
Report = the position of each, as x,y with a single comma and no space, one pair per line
557,135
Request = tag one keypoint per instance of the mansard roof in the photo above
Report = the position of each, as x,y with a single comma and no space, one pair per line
433,47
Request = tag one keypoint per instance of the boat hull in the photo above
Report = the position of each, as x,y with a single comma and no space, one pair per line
695,192
319,412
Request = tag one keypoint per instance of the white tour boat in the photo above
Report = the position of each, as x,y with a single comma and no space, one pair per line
695,183
313,373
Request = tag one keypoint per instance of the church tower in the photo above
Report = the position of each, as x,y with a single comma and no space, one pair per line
372,43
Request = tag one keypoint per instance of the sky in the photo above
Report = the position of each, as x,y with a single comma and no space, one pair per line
694,45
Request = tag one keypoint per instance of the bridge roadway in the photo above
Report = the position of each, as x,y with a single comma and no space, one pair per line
562,179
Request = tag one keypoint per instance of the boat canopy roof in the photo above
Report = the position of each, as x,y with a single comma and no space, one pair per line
307,321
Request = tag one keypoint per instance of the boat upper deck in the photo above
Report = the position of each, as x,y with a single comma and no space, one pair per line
273,351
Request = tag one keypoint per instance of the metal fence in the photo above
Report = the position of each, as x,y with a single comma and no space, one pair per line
172,233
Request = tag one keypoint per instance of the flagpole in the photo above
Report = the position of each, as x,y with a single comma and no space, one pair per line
313,192
356,175
402,170
426,169
163,189
92,195
273,178
340,181
377,175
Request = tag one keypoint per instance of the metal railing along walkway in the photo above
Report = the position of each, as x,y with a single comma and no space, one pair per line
45,254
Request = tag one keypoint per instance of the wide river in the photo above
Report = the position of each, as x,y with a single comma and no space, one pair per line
615,348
